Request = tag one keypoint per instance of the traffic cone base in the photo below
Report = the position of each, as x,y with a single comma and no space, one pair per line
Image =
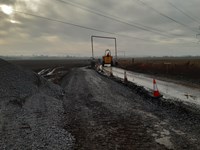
125,77
156,93
111,74
125,80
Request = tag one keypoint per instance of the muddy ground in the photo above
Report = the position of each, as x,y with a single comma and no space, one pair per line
103,114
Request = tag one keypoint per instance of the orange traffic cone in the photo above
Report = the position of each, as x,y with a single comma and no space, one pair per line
125,76
156,93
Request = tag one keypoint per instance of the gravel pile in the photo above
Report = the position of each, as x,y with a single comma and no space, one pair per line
31,111
16,82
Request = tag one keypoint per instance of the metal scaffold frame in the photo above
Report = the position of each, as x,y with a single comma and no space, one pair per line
103,37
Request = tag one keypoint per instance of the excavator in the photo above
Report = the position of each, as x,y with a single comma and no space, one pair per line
107,59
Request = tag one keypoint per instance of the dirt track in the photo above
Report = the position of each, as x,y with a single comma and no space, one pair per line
103,114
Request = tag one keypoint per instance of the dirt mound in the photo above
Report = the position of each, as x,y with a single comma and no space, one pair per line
31,111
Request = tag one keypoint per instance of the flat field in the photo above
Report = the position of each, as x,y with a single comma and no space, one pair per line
177,68
38,65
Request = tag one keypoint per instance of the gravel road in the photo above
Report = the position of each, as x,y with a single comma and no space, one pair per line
87,111
103,114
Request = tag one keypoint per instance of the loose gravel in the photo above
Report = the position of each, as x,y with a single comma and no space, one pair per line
31,111
88,111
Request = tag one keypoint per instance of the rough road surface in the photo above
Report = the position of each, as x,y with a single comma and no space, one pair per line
88,111
103,114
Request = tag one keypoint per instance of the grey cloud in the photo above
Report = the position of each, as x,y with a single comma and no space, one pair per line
37,36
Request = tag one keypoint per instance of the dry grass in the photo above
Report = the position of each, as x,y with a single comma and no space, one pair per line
183,68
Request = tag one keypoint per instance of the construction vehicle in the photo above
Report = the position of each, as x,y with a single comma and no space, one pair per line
107,58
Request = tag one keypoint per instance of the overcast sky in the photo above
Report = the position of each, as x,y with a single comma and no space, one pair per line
142,27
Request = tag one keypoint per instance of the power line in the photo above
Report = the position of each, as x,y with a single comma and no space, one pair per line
81,5
118,19
80,26
88,28
160,13
139,26
183,12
